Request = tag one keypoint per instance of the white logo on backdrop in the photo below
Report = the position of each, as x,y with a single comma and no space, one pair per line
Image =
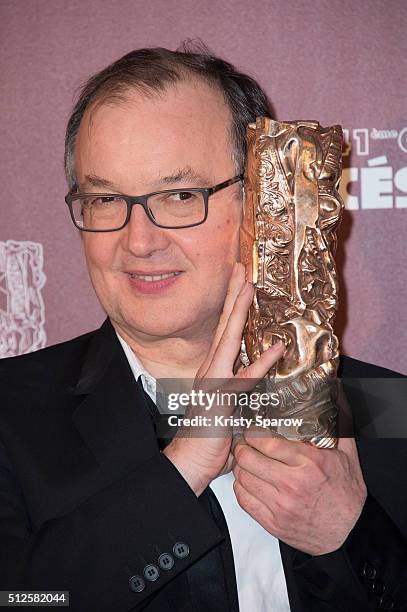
376,181
22,313
402,139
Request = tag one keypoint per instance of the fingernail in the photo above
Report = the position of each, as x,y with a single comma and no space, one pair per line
277,346
237,269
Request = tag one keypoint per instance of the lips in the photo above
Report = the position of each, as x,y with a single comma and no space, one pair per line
154,281
153,277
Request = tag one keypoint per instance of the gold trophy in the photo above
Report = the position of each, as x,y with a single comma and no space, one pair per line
291,212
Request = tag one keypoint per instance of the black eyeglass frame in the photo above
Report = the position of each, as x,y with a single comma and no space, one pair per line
142,200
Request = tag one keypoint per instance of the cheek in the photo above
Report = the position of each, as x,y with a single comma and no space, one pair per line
99,251
216,249
226,236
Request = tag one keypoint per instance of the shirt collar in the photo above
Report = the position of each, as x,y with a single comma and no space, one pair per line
140,373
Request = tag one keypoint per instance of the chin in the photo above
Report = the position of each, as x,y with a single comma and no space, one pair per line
150,325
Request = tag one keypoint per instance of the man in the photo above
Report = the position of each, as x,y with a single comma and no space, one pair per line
91,501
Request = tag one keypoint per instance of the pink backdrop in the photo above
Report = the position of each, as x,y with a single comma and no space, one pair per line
338,61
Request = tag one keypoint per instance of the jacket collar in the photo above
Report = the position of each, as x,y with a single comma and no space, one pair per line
104,346
112,415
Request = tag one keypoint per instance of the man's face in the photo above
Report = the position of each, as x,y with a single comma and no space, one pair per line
177,139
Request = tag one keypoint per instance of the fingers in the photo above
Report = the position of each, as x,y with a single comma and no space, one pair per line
226,345
290,452
256,463
231,339
236,283
264,363
258,510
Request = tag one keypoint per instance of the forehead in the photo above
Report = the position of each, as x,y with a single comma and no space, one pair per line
145,136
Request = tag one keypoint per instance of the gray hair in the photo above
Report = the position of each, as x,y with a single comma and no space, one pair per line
151,71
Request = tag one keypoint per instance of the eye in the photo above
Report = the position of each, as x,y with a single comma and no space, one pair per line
182,196
177,198
101,200
186,195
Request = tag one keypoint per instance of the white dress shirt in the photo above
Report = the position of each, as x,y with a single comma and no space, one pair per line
260,576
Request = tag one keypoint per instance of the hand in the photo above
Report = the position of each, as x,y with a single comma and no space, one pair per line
201,459
309,498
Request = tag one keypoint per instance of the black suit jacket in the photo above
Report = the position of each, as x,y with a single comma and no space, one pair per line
88,501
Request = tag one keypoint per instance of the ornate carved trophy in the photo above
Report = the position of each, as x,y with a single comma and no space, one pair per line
292,210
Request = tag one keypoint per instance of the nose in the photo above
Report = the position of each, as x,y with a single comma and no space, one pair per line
141,237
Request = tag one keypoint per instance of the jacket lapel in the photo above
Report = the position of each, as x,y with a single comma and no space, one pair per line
112,416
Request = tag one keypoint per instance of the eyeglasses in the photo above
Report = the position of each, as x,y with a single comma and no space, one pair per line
170,209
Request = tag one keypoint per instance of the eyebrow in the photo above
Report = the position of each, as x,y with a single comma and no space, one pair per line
182,174
97,181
